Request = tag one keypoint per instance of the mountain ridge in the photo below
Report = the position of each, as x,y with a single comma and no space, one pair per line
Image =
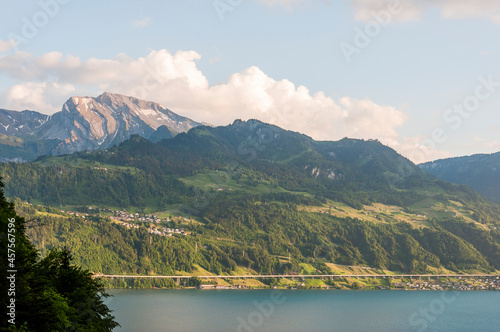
88,123
18,123
481,172
270,192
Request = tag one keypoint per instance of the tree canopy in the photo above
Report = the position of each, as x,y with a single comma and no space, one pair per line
50,293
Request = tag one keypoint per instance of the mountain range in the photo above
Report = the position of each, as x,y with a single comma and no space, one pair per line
248,193
481,172
252,193
86,123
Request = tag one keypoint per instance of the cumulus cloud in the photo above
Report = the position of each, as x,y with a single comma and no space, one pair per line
42,96
399,10
416,149
6,45
413,9
175,81
489,9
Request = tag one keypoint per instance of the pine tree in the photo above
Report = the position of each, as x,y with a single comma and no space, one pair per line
50,294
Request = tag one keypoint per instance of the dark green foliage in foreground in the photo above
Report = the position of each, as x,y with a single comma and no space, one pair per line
51,294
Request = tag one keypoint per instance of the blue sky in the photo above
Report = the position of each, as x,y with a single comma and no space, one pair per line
281,61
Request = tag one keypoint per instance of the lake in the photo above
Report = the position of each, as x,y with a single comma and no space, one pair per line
304,310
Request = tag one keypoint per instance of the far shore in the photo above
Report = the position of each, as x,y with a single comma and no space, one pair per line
462,282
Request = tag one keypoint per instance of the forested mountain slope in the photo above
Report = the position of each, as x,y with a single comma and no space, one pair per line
481,172
257,193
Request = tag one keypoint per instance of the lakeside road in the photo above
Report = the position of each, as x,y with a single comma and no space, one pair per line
292,276
463,282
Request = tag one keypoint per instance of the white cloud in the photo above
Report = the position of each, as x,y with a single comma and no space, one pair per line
364,116
398,10
42,97
413,9
6,45
141,23
489,9
415,149
175,81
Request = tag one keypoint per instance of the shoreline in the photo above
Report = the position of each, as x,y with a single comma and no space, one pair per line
422,286
303,289
442,283
312,289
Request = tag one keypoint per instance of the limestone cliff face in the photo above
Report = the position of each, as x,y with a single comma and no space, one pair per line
87,123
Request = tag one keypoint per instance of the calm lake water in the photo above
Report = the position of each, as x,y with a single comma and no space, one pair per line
304,310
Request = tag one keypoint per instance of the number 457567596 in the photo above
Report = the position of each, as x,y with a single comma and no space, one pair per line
11,255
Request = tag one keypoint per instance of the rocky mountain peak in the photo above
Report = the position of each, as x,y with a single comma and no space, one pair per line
88,123
117,101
